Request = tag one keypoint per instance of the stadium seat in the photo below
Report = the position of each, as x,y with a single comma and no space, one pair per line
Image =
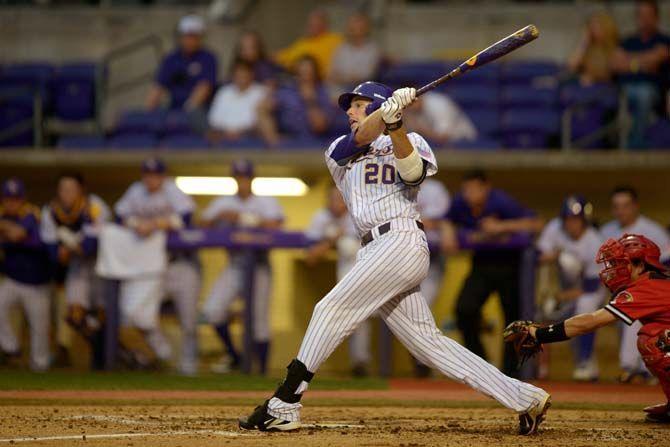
16,114
412,73
592,107
29,78
527,72
523,96
485,119
132,141
658,135
177,122
140,122
477,144
529,127
74,90
475,95
184,141
243,143
81,142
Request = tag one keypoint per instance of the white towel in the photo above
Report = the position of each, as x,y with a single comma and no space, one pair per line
122,254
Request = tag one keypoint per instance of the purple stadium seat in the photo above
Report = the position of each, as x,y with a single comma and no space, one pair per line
243,143
658,135
177,122
304,143
474,95
523,96
477,144
184,141
485,119
28,78
526,72
81,142
74,91
132,141
140,122
488,74
529,127
13,114
592,107
413,73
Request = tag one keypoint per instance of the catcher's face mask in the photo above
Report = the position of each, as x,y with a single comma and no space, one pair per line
617,270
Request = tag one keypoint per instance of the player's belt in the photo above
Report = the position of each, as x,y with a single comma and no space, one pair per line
382,229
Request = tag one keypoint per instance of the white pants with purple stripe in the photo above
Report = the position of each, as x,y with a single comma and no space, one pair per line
386,279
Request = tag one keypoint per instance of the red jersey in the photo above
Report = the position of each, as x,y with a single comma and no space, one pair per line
647,300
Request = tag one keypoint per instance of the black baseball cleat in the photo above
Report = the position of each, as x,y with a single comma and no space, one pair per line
531,420
658,414
261,420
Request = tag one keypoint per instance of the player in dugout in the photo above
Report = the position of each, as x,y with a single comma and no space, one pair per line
640,285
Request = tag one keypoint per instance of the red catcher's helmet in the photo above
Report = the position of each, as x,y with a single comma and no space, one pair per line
618,255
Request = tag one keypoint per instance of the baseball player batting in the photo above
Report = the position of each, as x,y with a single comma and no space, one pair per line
379,168
640,284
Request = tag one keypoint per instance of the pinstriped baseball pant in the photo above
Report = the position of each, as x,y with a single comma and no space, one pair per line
386,278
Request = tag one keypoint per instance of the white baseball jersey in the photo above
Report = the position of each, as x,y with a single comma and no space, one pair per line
433,201
644,226
99,213
326,225
168,200
629,356
372,188
385,280
554,239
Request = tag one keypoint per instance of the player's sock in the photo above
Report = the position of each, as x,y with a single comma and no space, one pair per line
285,402
585,345
262,349
224,335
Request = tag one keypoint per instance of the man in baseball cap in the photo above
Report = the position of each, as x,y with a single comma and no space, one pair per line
187,75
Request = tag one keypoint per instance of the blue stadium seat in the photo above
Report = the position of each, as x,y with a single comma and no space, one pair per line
29,78
475,95
81,142
485,119
523,96
132,141
300,143
529,127
658,135
526,72
74,91
412,73
477,144
592,107
14,114
140,121
184,141
177,122
243,143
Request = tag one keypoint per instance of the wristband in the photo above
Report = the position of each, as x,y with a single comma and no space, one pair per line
551,334
393,126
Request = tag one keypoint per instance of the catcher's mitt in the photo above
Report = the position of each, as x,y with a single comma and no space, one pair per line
518,334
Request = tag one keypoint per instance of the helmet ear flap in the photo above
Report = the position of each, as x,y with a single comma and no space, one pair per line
374,105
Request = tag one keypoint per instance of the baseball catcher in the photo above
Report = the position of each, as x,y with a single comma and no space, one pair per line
640,285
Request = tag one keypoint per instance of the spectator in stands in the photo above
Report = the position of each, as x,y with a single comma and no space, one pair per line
187,76
439,119
234,111
318,42
640,62
27,274
486,214
251,49
356,59
301,109
591,61
628,219
69,227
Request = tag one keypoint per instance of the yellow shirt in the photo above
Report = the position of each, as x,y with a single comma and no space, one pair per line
320,48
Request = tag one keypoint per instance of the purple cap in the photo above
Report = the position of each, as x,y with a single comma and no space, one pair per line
13,187
153,165
243,168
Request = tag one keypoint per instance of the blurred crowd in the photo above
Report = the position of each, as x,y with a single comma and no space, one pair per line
75,240
290,95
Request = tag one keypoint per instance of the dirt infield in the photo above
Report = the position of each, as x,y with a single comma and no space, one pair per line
410,413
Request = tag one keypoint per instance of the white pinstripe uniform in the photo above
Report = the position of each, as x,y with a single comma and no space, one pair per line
323,226
629,356
386,279
433,202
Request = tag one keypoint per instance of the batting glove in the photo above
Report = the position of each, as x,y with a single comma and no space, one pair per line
391,111
405,96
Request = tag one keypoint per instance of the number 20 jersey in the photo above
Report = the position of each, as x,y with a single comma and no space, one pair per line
371,186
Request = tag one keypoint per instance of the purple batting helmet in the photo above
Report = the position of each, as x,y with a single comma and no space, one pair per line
577,206
153,165
13,187
374,91
243,168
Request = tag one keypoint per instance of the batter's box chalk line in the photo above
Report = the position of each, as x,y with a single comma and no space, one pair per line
227,434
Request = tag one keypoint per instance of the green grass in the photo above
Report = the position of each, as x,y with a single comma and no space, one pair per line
133,380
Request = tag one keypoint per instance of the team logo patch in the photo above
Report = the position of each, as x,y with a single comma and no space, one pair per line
624,297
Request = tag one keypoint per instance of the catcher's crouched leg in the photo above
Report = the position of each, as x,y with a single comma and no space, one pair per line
654,351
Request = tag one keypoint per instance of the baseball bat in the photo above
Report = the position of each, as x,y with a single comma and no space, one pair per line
495,51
